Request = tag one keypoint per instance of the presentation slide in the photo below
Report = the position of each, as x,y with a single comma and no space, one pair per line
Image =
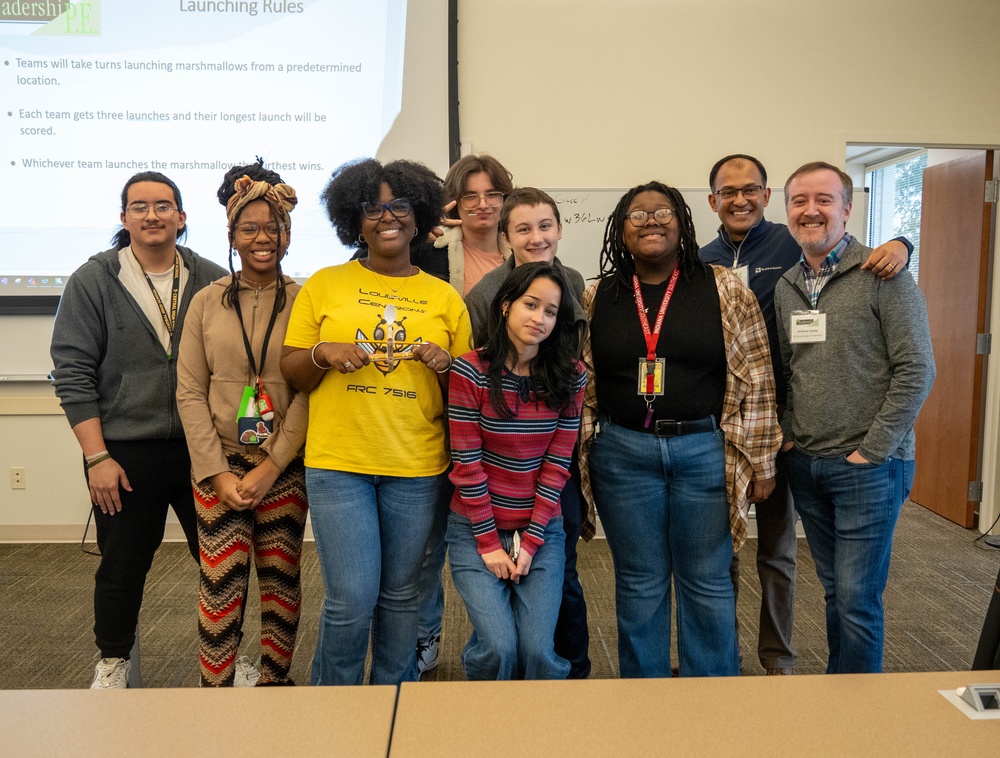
93,92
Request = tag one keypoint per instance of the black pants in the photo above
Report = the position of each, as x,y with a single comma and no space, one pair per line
572,636
159,472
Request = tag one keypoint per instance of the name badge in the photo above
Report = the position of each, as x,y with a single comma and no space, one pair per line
807,326
743,272
654,369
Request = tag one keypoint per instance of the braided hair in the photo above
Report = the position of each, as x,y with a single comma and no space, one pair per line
255,172
616,260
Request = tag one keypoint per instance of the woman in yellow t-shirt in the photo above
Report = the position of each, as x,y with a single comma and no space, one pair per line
372,341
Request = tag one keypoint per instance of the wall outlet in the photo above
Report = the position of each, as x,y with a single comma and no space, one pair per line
17,479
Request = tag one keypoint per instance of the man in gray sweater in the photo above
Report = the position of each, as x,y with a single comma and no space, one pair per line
114,348
857,354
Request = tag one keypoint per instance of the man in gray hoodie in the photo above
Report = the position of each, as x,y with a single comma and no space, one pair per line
114,348
856,351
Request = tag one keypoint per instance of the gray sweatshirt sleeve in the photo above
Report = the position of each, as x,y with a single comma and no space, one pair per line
903,316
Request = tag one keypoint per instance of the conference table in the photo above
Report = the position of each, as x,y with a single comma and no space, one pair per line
148,723
856,715
849,715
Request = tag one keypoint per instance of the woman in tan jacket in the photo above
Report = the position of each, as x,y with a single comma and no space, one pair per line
245,430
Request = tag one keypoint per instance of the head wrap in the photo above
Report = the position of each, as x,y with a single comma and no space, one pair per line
280,197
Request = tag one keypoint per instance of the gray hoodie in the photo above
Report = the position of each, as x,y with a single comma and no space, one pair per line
109,363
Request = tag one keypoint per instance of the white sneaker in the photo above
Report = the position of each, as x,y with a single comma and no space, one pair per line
111,674
246,674
428,652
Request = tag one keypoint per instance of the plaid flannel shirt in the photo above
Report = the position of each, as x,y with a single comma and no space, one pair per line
749,420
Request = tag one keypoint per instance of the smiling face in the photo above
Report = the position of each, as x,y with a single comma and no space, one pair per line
653,245
817,213
532,317
260,253
483,218
388,236
152,231
533,233
739,214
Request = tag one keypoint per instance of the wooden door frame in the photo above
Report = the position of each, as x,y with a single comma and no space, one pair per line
989,465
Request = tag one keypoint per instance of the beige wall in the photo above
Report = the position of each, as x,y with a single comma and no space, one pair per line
592,93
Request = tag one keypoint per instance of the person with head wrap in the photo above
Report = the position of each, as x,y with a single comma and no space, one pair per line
246,429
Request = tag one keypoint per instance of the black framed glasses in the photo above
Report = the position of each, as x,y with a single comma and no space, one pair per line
470,200
660,216
750,193
401,207
249,231
160,210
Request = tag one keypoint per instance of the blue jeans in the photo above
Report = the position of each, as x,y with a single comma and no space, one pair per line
665,512
371,532
849,513
513,624
430,590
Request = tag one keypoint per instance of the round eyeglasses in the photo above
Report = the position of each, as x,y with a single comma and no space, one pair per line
399,208
660,216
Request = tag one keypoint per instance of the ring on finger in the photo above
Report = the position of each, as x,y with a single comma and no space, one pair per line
348,365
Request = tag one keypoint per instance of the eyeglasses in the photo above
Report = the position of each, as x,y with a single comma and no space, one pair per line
750,193
160,210
399,208
493,198
249,231
660,216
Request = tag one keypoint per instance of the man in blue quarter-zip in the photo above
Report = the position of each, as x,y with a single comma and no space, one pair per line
760,252
858,365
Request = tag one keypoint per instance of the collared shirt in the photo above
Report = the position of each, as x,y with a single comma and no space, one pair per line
815,281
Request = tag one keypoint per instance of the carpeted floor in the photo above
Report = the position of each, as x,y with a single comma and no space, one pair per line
939,587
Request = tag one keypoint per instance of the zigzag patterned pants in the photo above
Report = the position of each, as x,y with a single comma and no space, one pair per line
272,532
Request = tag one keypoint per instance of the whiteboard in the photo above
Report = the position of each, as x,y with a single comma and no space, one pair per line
585,214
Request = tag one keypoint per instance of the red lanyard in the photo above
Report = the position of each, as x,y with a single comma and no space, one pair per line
652,337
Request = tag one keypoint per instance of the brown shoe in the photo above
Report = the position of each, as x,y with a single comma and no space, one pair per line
779,672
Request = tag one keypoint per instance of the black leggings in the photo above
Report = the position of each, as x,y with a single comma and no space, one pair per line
159,472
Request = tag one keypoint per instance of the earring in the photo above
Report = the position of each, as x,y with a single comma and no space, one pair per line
361,239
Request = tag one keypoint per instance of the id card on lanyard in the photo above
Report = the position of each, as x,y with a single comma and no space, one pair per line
651,368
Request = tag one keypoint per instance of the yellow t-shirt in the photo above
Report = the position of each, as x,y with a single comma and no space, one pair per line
375,421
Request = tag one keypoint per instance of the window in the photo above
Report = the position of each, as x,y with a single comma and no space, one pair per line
895,203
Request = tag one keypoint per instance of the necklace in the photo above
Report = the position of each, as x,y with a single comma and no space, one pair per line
252,284
395,290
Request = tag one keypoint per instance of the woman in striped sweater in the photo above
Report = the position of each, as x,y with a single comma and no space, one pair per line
514,412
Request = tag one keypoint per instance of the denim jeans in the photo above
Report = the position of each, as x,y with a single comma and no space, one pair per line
849,513
665,512
430,589
371,532
513,624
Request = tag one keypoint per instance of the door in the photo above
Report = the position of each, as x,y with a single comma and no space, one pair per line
954,274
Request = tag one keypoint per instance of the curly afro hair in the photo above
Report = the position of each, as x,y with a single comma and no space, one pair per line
360,182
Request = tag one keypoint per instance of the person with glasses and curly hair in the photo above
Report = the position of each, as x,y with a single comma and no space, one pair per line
114,349
371,341
679,432
246,428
